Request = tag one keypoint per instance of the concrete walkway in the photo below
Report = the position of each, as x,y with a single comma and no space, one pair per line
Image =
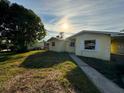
101,82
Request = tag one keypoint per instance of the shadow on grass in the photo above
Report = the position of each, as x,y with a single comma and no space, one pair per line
76,77
65,72
5,56
2,59
5,59
44,60
81,82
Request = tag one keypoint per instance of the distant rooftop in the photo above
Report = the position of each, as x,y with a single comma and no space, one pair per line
55,38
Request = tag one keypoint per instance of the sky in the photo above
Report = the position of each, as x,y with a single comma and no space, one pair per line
73,16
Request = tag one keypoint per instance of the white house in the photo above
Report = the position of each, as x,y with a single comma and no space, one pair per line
56,44
96,44
37,45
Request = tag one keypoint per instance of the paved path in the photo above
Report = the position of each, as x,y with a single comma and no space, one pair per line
102,83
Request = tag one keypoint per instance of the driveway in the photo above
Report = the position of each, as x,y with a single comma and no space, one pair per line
101,82
118,58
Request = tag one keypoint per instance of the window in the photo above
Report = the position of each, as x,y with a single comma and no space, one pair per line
90,44
53,43
72,44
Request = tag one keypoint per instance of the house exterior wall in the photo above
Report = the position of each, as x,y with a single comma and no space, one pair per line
117,46
59,46
114,47
103,43
68,48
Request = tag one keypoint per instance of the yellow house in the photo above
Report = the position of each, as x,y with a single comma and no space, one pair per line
96,44
117,45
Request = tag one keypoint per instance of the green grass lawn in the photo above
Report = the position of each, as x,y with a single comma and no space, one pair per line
42,72
108,69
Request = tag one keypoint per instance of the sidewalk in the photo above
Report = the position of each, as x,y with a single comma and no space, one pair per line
101,82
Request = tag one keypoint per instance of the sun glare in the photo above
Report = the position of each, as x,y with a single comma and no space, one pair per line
65,26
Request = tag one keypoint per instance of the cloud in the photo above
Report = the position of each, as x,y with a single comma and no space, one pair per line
78,14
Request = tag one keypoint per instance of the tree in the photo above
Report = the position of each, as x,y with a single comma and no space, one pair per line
61,35
22,26
4,6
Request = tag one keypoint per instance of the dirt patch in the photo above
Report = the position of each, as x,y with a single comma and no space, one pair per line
34,81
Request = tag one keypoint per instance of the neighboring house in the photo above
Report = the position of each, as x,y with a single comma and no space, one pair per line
37,45
96,44
56,44
117,46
